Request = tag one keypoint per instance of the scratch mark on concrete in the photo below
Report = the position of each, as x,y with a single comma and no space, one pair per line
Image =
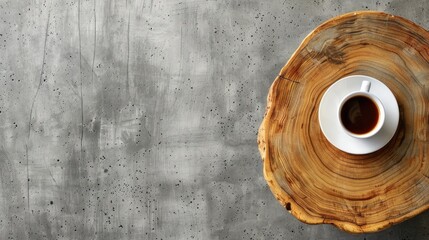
128,52
181,51
42,72
81,80
95,41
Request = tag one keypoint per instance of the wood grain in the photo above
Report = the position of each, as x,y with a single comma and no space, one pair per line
318,183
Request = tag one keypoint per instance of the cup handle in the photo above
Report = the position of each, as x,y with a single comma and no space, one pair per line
366,85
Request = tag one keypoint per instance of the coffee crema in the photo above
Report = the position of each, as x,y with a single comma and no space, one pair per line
359,114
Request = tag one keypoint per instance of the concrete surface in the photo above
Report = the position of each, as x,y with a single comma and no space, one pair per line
138,119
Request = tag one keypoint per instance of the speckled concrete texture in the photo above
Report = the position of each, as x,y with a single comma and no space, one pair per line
138,119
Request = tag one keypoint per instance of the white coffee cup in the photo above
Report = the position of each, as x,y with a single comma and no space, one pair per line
361,113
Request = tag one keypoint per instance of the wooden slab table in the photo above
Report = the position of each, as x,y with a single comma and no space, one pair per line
318,183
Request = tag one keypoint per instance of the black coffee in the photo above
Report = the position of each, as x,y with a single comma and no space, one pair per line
359,115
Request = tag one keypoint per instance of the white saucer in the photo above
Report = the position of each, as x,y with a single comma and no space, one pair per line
330,123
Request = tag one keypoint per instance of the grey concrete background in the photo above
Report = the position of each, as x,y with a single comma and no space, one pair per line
138,119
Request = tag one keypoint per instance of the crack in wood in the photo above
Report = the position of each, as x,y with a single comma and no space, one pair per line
288,79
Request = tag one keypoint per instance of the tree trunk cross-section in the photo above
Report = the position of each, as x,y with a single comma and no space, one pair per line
312,179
